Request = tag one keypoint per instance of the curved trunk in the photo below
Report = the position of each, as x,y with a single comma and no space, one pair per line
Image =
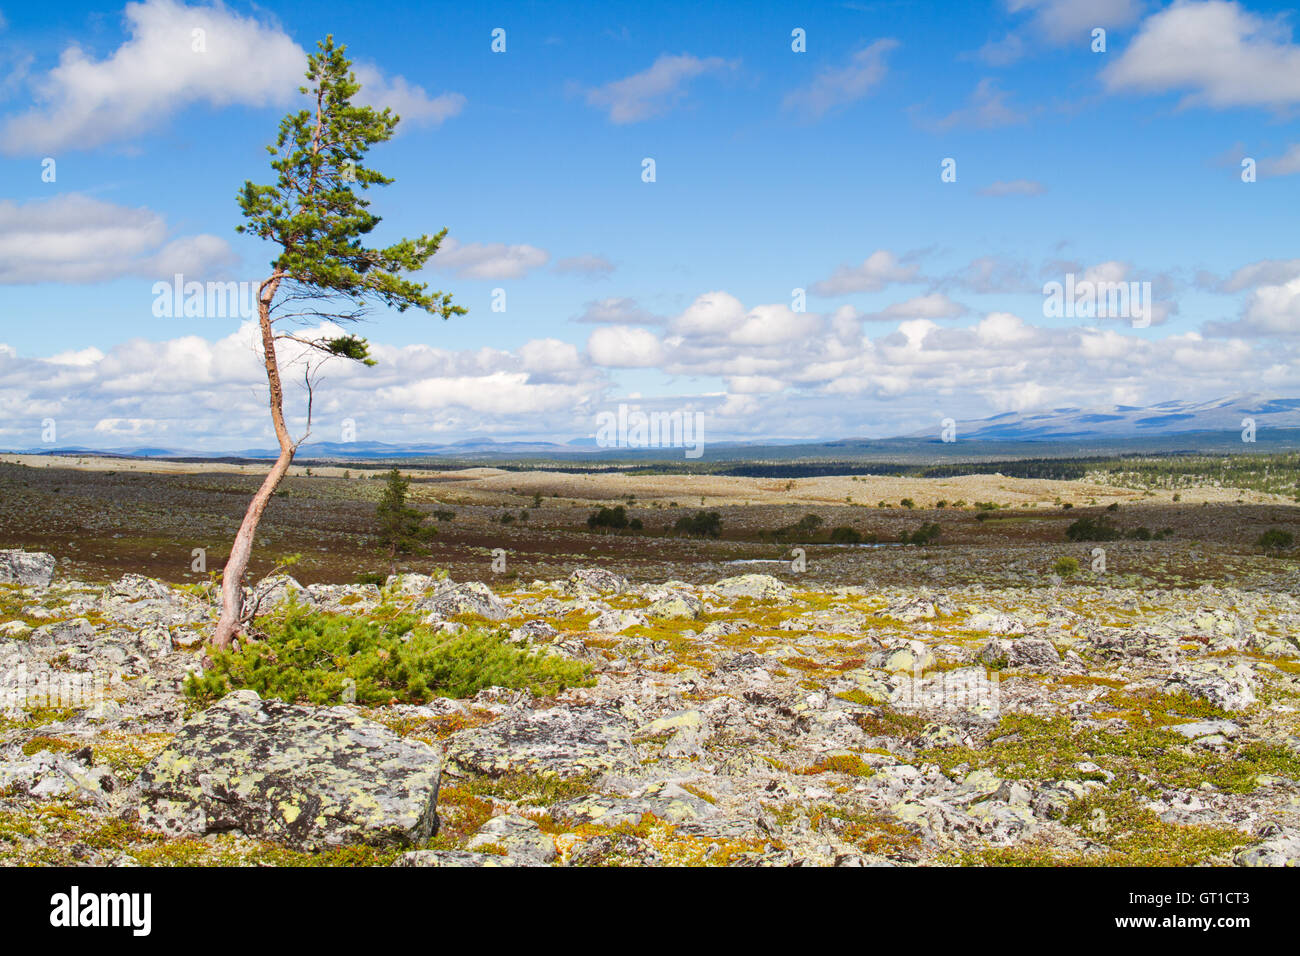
230,623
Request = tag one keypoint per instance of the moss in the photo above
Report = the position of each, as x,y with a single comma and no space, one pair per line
51,744
539,790
850,764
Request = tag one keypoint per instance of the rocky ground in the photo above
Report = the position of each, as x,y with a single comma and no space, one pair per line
756,719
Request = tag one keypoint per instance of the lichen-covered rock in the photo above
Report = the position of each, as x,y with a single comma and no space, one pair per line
410,584
1281,849
46,774
306,777
564,741
28,568
138,601
452,858
474,597
666,801
762,587
590,582
522,840
270,592
678,606
1230,686
1034,653
614,622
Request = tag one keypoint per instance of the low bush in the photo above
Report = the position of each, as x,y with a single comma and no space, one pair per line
310,656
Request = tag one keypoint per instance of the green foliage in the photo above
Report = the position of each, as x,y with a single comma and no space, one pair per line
401,528
1089,528
908,503
702,524
612,518
315,210
372,577
322,658
928,533
1275,539
1066,566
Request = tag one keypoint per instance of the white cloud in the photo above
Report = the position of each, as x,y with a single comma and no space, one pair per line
77,239
488,260
653,91
85,102
878,270
410,102
839,86
935,305
1062,22
1288,164
1219,53
986,109
616,311
623,346
1014,187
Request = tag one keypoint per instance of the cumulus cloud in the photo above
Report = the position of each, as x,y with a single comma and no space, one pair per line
1271,311
76,239
834,87
655,90
177,55
488,260
408,101
624,346
878,270
1057,23
1218,53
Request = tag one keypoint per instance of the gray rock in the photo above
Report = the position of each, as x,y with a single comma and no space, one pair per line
565,741
678,606
1230,686
521,838
303,776
1036,653
474,597
589,582
28,568
762,587
451,858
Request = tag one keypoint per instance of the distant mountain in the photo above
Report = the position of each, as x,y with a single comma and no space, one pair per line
1129,421
1116,429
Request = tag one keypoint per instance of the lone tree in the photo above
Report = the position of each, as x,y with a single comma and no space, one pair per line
323,272
401,527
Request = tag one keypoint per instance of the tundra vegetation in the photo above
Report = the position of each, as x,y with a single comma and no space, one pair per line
650,697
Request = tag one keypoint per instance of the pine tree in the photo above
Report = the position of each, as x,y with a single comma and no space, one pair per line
315,212
401,528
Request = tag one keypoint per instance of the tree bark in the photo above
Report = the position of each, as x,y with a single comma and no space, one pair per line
230,624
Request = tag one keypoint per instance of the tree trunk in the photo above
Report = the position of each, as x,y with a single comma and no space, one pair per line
230,623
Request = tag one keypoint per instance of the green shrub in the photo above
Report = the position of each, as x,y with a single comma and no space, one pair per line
1089,528
701,524
316,657
372,577
1275,539
926,534
1066,567
615,518
846,535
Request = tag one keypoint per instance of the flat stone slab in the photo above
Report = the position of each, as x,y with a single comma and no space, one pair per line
306,777
563,741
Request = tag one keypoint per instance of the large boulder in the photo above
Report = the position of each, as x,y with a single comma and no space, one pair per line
28,568
680,605
138,601
1230,686
762,587
306,777
590,582
561,741
473,597
1036,653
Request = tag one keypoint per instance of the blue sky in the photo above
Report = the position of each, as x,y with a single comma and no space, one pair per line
775,170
